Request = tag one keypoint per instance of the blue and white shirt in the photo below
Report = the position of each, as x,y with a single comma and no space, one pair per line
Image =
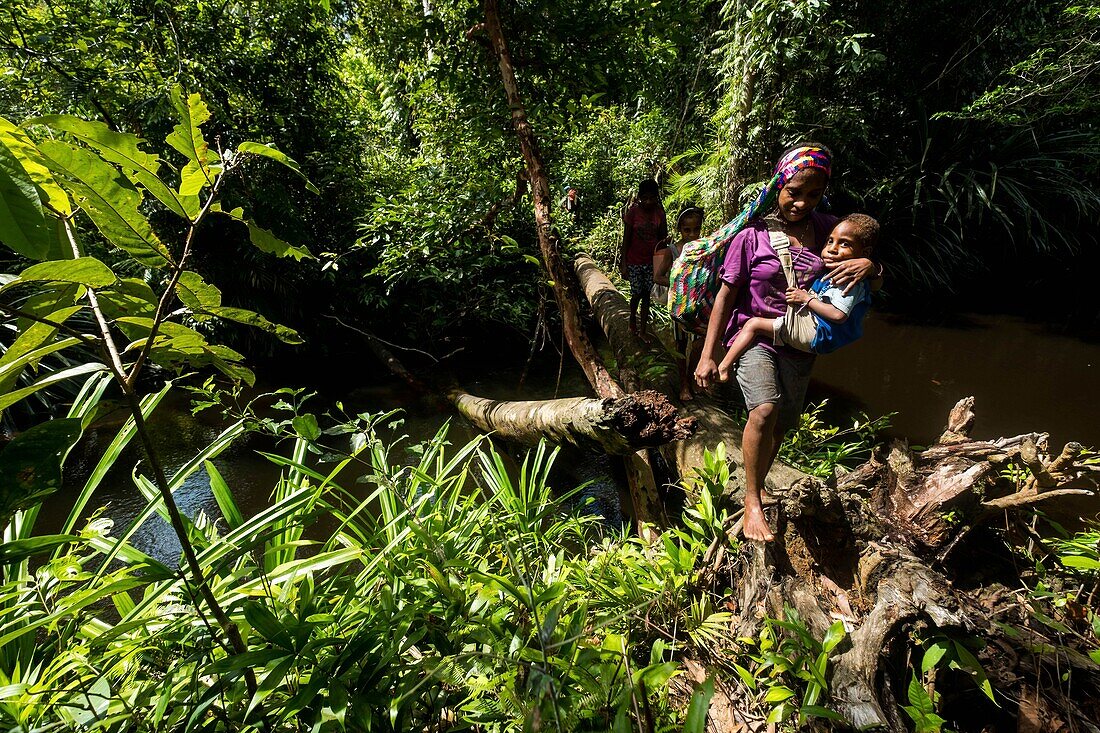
831,336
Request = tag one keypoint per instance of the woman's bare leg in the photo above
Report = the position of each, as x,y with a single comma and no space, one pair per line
759,448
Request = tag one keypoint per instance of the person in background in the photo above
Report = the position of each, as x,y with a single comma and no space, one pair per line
570,203
689,226
644,227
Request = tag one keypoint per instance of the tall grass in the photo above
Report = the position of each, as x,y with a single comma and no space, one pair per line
450,593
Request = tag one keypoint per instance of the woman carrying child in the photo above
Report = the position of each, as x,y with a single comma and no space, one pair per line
689,225
773,379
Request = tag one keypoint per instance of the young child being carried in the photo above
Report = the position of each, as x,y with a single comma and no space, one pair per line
837,316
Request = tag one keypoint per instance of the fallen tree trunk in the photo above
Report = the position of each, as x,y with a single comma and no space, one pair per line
614,426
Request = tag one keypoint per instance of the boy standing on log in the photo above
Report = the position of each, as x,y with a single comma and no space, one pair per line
644,227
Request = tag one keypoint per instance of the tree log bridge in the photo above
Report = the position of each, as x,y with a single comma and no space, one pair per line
618,426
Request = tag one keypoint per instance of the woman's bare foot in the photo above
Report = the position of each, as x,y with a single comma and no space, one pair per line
756,525
767,499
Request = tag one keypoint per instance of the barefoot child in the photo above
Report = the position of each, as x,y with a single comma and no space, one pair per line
837,315
689,227
644,227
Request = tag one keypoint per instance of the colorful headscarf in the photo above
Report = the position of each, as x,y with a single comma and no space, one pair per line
694,276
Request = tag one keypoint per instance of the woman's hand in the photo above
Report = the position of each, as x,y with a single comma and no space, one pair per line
796,296
847,273
706,372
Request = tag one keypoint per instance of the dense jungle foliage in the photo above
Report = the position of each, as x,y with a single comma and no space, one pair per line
969,130
189,188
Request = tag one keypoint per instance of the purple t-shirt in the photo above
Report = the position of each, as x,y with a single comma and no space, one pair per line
752,266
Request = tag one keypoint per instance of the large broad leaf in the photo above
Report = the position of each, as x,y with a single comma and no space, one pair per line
23,225
30,465
250,318
17,141
196,293
264,240
128,297
267,151
176,344
697,711
83,271
120,148
186,137
109,199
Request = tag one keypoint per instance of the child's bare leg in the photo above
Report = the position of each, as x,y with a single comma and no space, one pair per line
753,328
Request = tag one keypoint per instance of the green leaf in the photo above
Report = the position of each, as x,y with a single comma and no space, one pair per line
186,137
196,293
9,399
267,151
120,148
224,497
31,159
697,710
86,271
30,465
306,426
779,693
23,225
817,711
933,654
260,618
28,347
972,665
1079,562
249,318
128,297
109,199
833,636
17,550
265,241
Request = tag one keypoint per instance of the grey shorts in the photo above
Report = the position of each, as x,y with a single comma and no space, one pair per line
777,378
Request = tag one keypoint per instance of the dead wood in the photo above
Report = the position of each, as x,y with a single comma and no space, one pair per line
644,496
614,426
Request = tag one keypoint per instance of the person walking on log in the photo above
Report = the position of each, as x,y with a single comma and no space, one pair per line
644,227
773,379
